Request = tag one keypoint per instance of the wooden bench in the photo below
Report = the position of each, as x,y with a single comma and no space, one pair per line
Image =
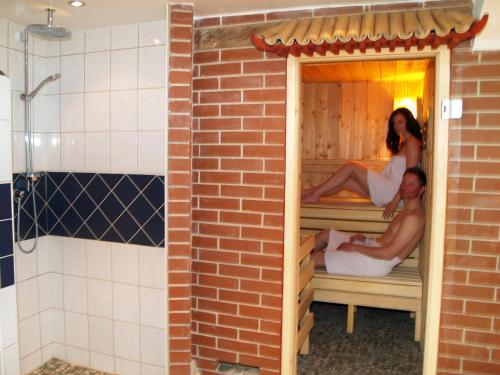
400,290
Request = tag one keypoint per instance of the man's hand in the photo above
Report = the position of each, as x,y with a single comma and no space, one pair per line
358,237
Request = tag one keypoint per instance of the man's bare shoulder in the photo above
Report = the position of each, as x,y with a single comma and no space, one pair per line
414,217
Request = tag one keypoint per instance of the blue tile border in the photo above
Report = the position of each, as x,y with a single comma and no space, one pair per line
6,271
101,206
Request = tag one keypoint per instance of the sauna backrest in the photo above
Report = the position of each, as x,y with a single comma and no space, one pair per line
348,217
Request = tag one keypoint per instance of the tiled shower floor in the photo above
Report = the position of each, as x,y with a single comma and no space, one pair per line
56,366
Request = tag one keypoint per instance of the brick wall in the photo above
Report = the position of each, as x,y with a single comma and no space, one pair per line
238,174
238,204
179,187
470,320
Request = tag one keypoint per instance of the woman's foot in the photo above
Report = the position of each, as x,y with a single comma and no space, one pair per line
310,198
304,193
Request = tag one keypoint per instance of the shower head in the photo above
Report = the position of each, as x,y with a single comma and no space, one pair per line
31,96
48,30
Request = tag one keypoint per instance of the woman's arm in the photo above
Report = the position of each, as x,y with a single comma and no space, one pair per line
412,159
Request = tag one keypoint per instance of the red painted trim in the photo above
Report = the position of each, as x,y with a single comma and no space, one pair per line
433,40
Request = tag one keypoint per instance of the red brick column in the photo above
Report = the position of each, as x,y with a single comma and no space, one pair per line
238,203
470,318
180,47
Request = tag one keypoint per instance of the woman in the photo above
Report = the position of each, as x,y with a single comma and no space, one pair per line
404,141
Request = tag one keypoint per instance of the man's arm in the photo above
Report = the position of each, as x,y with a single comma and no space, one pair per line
409,226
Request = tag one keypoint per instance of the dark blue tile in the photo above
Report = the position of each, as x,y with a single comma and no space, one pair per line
126,226
126,191
111,207
141,210
71,188
7,271
51,220
59,230
84,232
97,189
98,223
142,239
162,243
84,205
162,179
161,212
111,179
58,203
50,186
72,221
155,228
141,180
57,177
155,193
84,178
112,236
5,202
6,238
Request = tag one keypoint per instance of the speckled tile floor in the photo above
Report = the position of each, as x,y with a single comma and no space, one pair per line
56,366
382,343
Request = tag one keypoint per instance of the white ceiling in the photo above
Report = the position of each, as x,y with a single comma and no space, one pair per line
100,13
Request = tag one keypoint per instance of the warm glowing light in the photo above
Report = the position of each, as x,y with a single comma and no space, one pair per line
77,4
410,103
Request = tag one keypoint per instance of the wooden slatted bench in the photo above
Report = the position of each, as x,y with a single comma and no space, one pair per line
400,290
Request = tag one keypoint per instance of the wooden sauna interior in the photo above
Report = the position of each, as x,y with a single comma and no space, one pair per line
345,109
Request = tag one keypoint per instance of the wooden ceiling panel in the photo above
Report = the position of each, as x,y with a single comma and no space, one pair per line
382,70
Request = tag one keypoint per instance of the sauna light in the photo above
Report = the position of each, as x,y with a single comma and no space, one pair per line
77,4
410,103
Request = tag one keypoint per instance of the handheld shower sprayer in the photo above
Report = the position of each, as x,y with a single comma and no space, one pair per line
32,95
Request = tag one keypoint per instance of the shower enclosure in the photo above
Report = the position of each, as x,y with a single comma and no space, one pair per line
26,185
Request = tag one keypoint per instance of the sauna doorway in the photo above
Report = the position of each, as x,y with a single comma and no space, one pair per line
363,89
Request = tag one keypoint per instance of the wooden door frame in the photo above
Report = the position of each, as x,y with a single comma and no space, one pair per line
441,57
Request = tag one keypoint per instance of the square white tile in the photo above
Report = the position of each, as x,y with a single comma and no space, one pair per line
16,70
124,36
50,291
11,360
53,350
78,356
4,58
153,346
152,266
125,264
151,153
74,257
151,109
152,67
97,71
52,326
76,328
151,370
72,113
31,362
124,69
97,157
152,307
124,110
102,362
124,152
15,31
126,367
46,113
97,111
99,260
127,340
75,294
47,151
17,111
126,302
73,152
25,264
49,254
27,298
152,33
100,300
8,316
18,152
4,32
29,335
98,39
72,74
75,44
101,335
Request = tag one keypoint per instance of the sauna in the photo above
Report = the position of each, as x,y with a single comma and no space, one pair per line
344,111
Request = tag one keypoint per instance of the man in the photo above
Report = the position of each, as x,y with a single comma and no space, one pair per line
361,256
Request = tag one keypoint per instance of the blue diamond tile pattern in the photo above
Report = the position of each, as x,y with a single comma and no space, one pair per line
102,206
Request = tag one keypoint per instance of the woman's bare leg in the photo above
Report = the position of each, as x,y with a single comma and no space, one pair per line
350,171
352,186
